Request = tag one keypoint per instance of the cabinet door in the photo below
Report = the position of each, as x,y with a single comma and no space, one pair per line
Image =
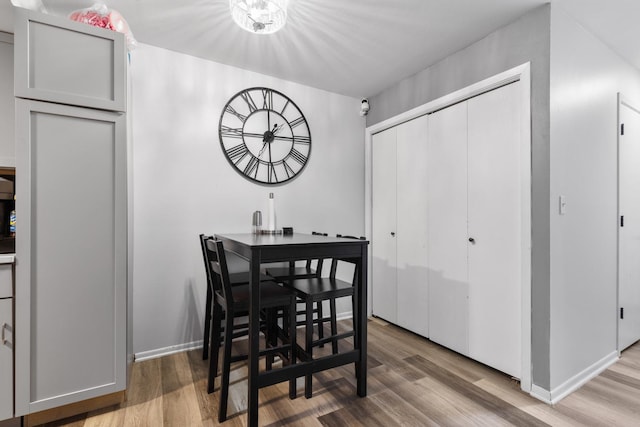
411,235
383,247
68,62
71,254
495,216
6,359
447,216
7,107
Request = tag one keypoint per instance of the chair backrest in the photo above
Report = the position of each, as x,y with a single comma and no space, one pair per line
218,264
319,261
354,261
207,267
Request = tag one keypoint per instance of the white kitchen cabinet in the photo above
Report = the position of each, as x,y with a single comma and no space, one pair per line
71,200
399,243
6,358
6,339
7,115
62,61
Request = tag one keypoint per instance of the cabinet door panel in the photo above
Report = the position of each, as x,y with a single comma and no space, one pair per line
6,359
495,224
447,216
71,243
384,289
7,108
411,235
68,62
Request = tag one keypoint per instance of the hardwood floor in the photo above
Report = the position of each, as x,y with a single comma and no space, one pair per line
412,382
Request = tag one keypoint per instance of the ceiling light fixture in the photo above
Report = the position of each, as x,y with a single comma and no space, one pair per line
259,16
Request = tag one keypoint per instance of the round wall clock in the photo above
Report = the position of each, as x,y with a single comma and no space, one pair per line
264,135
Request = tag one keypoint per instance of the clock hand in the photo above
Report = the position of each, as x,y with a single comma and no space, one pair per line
263,147
276,129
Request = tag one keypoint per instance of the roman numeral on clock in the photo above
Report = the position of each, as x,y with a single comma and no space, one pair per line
237,153
230,132
232,110
249,100
298,156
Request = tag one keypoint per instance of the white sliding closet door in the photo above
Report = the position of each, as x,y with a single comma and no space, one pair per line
411,235
494,209
447,216
383,248
629,233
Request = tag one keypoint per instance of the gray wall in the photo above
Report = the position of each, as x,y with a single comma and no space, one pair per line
525,40
183,184
585,79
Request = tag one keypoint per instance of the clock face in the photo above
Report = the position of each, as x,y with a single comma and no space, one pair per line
265,136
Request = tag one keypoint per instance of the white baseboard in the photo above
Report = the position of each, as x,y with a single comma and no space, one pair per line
572,384
153,354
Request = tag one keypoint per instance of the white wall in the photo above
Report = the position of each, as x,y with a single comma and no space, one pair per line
184,186
585,78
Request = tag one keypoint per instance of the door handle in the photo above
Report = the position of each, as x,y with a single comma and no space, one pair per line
472,240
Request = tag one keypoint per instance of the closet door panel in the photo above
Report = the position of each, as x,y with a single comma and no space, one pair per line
494,209
447,222
411,236
384,280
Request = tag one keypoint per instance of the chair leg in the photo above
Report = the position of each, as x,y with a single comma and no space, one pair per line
320,321
354,320
226,367
293,392
207,324
269,336
215,346
334,325
308,391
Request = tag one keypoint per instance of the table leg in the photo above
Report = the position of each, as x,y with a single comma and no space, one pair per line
361,330
254,339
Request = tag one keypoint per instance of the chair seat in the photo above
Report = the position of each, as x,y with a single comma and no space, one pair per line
321,288
271,295
243,277
283,273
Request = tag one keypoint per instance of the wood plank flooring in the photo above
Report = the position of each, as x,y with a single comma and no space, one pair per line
412,382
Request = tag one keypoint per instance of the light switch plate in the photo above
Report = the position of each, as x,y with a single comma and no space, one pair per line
563,205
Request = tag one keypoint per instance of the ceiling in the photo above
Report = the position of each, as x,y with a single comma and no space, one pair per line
352,47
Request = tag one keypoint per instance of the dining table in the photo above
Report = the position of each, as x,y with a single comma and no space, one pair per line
259,249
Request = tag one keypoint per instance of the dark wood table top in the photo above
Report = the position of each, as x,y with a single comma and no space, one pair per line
278,247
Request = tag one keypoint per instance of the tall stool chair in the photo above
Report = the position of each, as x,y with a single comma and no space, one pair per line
316,290
284,274
239,278
231,300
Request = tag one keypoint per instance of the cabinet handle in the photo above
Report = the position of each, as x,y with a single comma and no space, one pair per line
3,338
393,234
472,240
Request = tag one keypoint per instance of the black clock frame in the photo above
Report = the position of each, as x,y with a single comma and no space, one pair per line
242,158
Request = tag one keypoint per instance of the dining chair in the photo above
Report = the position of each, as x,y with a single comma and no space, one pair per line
317,290
283,274
231,300
238,278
